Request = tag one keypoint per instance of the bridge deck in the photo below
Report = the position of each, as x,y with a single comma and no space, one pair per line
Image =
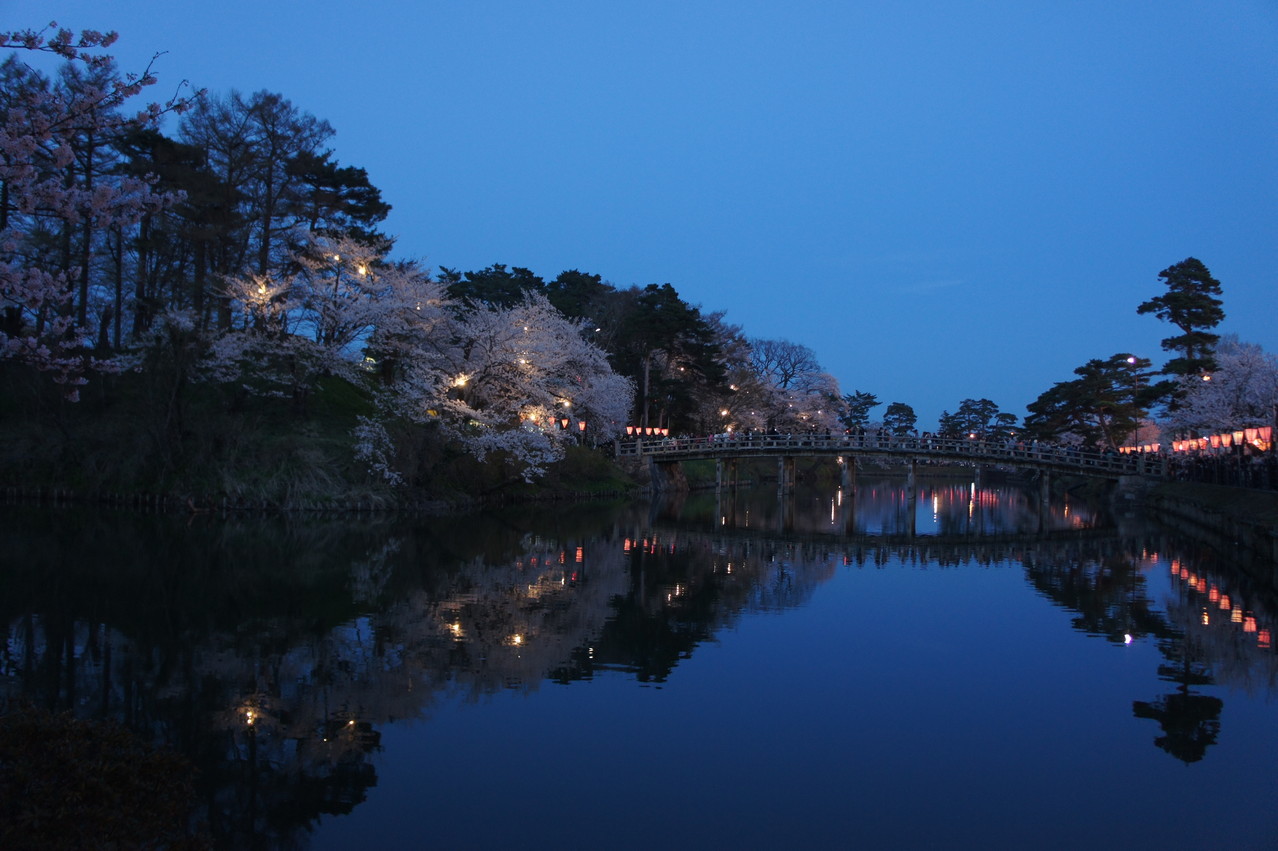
1059,459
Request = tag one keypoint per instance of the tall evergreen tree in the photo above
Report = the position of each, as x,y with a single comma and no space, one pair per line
1102,407
856,409
1190,304
899,418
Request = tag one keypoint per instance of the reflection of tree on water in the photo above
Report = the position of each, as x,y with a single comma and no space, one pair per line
1219,638
274,653
1108,589
1190,721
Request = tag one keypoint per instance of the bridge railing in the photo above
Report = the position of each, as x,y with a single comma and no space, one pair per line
984,451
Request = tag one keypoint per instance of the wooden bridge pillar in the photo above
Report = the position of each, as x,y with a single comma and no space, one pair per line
1044,499
847,473
725,472
666,476
785,474
911,500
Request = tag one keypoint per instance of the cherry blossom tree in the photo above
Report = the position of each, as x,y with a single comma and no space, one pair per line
45,190
517,373
799,395
1241,392
295,327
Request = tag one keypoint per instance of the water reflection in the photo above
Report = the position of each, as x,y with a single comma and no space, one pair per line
276,653
882,507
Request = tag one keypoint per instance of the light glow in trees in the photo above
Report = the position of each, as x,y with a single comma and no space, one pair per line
516,372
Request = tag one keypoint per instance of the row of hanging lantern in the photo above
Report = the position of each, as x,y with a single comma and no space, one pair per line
1259,438
646,431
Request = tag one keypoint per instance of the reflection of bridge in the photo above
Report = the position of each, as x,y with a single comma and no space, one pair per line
664,454
941,549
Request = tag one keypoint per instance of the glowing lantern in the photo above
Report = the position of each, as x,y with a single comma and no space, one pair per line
1238,436
1265,432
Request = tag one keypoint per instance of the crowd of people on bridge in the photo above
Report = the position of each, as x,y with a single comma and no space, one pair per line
1244,467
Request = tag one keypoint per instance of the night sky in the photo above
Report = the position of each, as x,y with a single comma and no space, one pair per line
943,200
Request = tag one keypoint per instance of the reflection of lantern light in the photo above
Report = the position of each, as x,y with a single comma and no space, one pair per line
1206,618
1224,602
1213,594
1249,624
1262,638
1236,615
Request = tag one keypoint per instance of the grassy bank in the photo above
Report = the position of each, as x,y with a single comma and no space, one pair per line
146,439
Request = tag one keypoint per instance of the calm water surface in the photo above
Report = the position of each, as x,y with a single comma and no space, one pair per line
970,668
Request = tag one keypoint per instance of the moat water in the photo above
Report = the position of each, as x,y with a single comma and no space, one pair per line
968,668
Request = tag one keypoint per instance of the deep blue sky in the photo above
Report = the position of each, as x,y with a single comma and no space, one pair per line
942,199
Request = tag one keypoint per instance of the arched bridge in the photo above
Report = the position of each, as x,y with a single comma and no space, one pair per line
727,449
